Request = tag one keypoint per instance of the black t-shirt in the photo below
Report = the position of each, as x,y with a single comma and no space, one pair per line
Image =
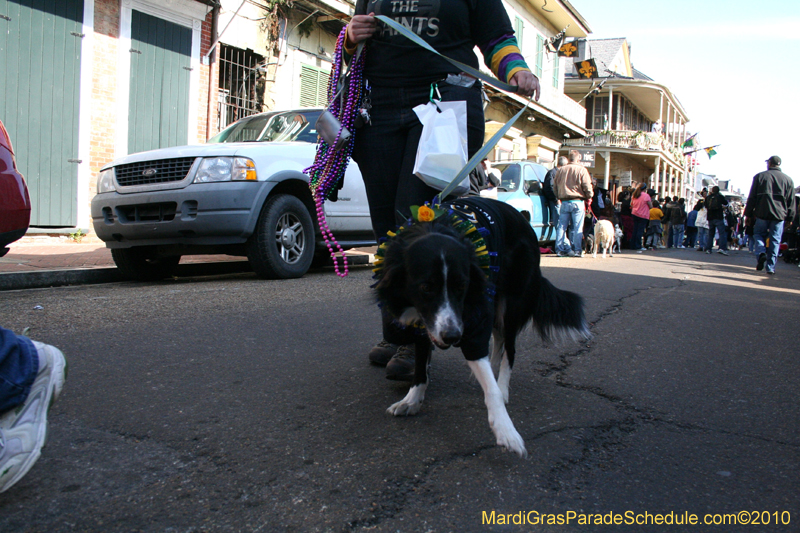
452,27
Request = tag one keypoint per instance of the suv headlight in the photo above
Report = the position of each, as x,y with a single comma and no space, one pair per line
105,181
214,169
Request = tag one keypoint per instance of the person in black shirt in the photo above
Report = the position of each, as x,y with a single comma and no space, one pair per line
770,203
402,75
716,204
552,202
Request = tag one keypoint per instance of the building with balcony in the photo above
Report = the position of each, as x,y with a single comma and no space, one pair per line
215,61
635,126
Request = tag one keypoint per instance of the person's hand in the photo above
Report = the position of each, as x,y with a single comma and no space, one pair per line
527,83
361,28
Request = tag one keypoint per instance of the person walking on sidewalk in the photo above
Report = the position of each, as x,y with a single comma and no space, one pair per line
691,226
702,225
716,204
573,186
770,203
550,197
32,375
677,219
640,209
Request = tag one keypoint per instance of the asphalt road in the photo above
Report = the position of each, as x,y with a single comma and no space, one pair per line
228,403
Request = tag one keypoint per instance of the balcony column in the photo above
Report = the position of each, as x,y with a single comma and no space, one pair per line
610,108
663,190
661,107
656,173
606,178
672,181
669,121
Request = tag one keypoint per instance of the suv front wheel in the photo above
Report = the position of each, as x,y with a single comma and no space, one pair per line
282,245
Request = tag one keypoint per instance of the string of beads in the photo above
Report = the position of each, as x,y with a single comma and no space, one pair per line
330,165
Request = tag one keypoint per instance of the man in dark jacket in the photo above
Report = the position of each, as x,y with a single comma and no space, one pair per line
550,197
716,204
769,204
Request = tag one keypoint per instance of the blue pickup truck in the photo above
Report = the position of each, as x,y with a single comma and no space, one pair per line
521,187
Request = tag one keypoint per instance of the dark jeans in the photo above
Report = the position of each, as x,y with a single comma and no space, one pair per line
717,225
386,150
691,236
19,365
639,226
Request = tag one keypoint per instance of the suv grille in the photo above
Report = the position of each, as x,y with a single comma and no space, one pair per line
151,172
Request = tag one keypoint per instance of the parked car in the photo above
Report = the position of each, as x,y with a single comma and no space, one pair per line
520,186
15,203
242,193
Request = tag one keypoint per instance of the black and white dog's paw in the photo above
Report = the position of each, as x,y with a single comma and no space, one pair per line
508,437
411,404
404,408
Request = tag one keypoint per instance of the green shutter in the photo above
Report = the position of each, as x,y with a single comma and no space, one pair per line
555,71
40,62
161,59
519,26
313,87
539,55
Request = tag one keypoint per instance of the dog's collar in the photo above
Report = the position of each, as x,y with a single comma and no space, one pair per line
461,224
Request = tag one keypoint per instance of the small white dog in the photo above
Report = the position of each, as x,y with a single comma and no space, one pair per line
603,236
618,235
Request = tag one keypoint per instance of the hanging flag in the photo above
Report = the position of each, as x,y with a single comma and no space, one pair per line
689,143
587,69
568,49
710,151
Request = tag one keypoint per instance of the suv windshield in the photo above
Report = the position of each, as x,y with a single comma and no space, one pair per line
510,178
271,127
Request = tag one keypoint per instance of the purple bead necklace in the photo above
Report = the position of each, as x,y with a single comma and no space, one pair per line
329,165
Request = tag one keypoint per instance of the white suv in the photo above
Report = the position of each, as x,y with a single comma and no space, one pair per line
242,193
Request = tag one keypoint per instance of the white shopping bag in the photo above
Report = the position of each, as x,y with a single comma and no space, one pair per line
442,150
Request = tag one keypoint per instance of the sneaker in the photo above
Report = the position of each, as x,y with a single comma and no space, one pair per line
762,258
723,252
23,430
577,254
401,366
708,251
771,273
381,353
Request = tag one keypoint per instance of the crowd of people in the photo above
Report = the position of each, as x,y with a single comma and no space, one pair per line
648,222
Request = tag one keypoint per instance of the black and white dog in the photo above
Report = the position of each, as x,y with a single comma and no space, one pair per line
433,289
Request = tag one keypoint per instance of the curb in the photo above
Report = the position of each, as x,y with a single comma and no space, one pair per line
14,281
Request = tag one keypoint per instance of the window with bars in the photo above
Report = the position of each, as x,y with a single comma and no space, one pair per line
241,85
313,86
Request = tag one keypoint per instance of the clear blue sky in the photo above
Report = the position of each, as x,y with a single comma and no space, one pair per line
729,64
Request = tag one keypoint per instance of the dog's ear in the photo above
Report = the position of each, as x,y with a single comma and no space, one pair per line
390,289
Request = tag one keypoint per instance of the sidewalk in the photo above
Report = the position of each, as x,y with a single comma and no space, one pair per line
34,262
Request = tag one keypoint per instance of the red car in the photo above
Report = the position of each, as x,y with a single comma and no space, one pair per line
15,204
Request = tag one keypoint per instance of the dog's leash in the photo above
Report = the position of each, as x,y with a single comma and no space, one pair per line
488,146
